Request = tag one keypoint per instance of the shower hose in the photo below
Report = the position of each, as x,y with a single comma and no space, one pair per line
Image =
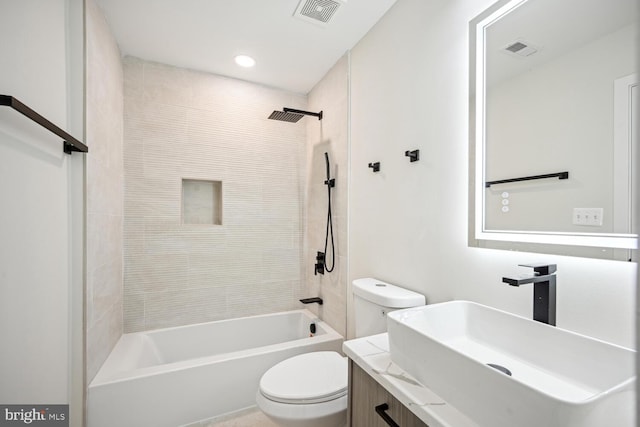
329,231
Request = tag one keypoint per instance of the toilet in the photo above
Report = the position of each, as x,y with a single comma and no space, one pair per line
310,390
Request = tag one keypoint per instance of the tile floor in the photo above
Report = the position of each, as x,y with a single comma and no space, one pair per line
251,417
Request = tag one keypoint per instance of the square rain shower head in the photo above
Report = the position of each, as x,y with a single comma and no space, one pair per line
285,117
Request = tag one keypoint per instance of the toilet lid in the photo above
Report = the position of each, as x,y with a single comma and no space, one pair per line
307,378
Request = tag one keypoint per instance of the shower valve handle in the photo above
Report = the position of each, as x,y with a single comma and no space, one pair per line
319,266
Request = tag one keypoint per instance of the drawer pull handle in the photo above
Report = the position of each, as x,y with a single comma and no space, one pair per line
381,410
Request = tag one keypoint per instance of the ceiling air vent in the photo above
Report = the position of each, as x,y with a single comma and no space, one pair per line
318,11
520,48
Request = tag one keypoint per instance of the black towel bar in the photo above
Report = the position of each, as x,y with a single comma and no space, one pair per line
69,143
559,175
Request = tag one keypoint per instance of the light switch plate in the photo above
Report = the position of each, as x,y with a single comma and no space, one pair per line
588,216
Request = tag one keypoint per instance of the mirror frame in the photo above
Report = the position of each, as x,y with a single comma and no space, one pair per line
535,241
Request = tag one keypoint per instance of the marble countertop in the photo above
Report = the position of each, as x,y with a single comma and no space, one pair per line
372,355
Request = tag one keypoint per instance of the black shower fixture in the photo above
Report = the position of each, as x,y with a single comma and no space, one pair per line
292,115
319,265
322,258
316,300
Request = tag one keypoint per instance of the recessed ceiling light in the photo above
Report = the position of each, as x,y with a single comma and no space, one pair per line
245,61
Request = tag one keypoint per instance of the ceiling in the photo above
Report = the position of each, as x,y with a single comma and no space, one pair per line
291,53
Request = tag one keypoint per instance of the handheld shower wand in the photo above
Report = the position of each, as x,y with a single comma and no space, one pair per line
322,265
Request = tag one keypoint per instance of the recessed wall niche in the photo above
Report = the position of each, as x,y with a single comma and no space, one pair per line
201,202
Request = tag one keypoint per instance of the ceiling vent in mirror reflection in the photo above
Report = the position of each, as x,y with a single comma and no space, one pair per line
521,48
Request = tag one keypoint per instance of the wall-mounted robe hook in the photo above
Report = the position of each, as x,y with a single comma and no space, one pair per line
413,155
375,166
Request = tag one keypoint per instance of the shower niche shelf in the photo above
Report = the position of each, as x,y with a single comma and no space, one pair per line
201,202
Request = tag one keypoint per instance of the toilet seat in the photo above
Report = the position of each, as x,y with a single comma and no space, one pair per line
306,379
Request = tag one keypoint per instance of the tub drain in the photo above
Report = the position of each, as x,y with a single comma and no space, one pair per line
500,368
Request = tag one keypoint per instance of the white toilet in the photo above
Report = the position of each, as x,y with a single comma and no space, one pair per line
310,390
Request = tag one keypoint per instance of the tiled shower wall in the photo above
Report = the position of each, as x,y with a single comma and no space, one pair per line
105,178
331,136
180,124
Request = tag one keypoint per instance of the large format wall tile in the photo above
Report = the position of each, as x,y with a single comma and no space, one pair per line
185,125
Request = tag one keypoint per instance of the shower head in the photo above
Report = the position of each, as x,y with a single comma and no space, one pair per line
291,115
283,116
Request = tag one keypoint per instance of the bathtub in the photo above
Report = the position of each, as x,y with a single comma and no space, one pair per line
176,376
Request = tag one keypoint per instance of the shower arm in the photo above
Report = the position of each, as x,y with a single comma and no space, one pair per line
305,113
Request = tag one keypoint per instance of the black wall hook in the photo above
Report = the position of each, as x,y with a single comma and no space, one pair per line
375,166
414,155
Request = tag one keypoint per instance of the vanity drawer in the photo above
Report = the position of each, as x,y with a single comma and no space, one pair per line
365,395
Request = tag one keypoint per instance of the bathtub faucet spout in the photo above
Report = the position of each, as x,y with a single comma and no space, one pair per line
311,300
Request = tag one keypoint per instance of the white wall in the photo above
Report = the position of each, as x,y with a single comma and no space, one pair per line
408,223
40,250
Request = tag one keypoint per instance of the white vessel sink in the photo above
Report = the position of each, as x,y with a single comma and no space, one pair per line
559,378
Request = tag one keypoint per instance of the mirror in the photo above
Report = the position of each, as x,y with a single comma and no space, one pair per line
553,127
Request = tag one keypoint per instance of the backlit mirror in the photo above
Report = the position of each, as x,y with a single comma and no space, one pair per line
554,137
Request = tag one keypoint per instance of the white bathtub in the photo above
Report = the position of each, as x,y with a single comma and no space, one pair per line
175,376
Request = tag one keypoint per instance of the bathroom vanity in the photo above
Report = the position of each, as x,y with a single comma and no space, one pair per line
530,374
371,405
375,380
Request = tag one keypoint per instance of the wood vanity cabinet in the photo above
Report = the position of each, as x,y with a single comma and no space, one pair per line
365,394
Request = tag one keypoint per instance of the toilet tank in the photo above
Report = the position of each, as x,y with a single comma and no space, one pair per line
373,299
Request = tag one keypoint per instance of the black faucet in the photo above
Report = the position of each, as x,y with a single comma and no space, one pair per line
544,291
